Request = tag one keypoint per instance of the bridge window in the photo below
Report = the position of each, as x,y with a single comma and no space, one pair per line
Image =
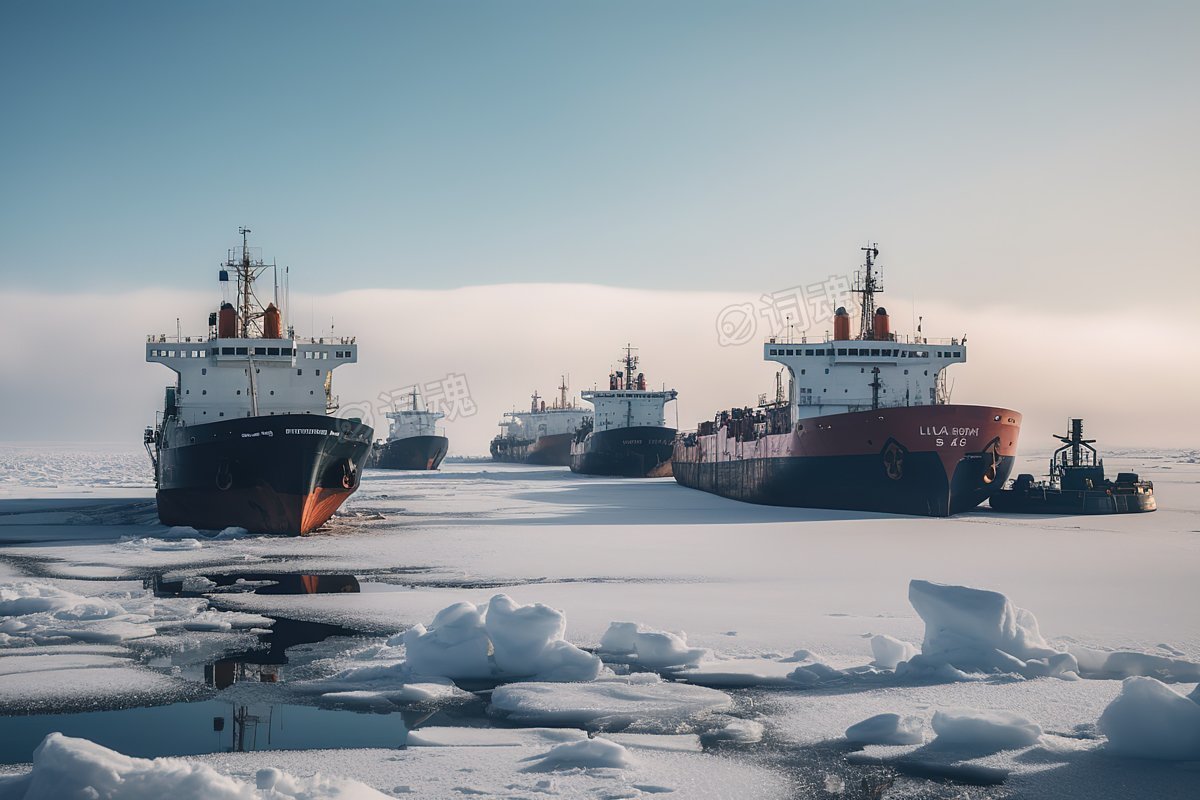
260,351
242,351
299,372
204,370
325,355
875,352
272,351
841,351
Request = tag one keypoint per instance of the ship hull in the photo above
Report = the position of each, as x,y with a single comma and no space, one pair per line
922,460
413,452
637,452
552,450
285,474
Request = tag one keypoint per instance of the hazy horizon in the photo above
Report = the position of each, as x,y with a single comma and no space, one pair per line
408,336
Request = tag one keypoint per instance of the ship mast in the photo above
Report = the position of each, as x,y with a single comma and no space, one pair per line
866,284
249,308
631,362
562,392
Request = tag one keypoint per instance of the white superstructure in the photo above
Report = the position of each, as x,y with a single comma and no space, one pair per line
876,370
628,403
416,420
248,365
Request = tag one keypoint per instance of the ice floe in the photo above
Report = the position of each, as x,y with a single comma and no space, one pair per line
1150,720
887,728
889,651
983,731
975,630
632,642
497,640
608,703
1127,664
38,613
65,767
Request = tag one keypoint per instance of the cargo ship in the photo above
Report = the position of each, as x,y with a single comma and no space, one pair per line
246,437
1076,484
627,434
414,439
542,435
866,424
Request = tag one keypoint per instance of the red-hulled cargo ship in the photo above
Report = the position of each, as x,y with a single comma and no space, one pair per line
866,425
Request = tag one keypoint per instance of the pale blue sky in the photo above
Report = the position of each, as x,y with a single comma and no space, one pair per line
999,152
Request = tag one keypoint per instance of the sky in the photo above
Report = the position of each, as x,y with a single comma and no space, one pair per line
1028,169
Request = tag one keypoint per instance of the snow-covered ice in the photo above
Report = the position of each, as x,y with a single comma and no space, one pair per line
596,753
978,630
609,703
499,640
633,642
1150,720
65,768
1114,595
887,728
985,731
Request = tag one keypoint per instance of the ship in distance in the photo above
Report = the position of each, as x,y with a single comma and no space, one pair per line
543,434
627,434
414,439
245,437
865,424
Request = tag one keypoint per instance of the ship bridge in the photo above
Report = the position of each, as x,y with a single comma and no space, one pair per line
875,370
839,376
219,378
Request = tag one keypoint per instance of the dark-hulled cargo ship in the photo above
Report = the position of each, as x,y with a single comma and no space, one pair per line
627,434
414,439
541,435
865,425
1076,485
245,438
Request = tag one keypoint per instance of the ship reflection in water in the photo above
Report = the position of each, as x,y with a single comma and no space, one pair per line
208,726
259,583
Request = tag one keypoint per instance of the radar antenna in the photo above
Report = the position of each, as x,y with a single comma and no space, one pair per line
866,284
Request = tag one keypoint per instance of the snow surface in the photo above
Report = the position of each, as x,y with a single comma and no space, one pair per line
1115,594
594,753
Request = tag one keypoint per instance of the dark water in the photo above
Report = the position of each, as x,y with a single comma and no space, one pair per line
209,726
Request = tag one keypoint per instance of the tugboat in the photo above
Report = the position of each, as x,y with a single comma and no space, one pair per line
1076,484
542,435
414,440
866,425
627,436
245,437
